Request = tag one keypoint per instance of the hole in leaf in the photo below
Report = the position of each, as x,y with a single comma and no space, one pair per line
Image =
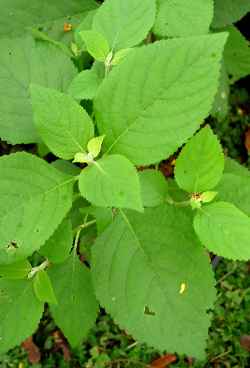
148,312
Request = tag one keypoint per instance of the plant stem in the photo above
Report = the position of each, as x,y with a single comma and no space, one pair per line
178,204
79,229
36,269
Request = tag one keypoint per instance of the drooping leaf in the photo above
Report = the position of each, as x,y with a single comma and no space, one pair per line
20,312
43,288
62,123
24,61
116,183
18,15
200,164
19,270
158,96
182,19
152,275
154,188
237,55
57,248
96,44
124,24
234,186
224,230
34,197
227,12
77,307
85,85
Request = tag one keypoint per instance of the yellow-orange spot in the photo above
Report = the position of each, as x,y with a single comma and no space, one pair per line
67,27
173,162
183,287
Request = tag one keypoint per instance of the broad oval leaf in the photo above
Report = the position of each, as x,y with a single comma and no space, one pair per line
20,312
124,24
158,96
85,85
15,271
62,123
227,12
200,164
57,248
111,182
43,288
182,19
18,15
237,55
154,188
24,61
34,197
234,186
154,278
77,307
224,230
96,44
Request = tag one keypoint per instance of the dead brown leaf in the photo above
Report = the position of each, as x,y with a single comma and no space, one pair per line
247,140
34,355
245,342
61,344
164,361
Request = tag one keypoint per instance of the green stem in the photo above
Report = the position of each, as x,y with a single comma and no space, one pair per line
79,229
169,200
36,269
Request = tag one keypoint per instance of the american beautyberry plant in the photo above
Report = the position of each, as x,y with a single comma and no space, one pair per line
89,228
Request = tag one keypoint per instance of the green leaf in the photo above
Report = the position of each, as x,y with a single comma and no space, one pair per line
18,15
154,188
220,108
227,12
20,313
96,43
145,116
19,270
200,164
57,248
24,61
124,25
66,167
43,288
95,145
116,183
208,197
63,124
85,85
234,186
77,307
34,197
120,55
104,216
237,55
141,264
178,19
224,230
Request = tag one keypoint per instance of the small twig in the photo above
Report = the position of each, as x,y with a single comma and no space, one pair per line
219,356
